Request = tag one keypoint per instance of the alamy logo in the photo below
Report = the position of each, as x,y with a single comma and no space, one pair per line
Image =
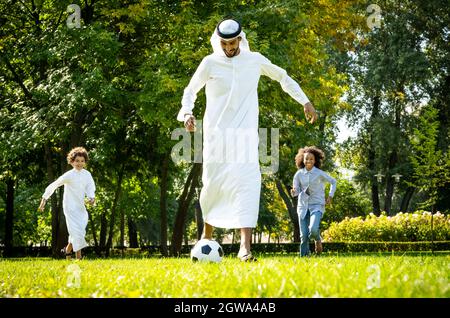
229,145
374,19
373,281
74,20
74,276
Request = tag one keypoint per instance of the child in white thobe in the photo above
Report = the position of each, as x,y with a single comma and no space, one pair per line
78,184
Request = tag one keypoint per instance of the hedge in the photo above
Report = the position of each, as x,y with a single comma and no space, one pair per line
269,248
403,227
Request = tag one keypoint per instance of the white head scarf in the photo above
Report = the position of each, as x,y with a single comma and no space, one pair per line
228,26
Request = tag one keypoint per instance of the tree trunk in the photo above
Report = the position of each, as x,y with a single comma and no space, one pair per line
371,157
76,132
9,217
292,209
406,199
122,228
322,124
443,105
132,234
389,194
163,204
186,239
443,142
94,234
103,229
63,234
199,219
87,12
183,206
393,159
114,208
54,204
390,183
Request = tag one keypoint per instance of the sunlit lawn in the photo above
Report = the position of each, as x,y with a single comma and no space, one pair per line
421,275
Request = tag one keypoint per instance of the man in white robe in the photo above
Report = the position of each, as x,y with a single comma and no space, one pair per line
231,173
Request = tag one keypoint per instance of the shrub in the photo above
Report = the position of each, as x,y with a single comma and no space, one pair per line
403,227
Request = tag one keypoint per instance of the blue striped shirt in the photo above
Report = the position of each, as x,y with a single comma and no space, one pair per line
310,188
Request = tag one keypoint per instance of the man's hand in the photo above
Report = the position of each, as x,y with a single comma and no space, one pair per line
310,112
328,200
189,123
42,205
91,201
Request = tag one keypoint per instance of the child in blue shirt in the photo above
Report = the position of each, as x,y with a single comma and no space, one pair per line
309,186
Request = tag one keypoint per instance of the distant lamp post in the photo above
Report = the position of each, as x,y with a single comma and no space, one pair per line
397,177
379,176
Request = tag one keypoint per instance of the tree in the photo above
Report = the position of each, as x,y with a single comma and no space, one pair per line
431,165
390,73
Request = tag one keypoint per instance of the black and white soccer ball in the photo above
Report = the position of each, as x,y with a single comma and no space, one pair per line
207,251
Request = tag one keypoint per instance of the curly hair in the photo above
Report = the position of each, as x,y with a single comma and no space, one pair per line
319,156
77,152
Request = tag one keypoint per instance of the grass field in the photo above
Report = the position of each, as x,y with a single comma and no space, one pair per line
375,275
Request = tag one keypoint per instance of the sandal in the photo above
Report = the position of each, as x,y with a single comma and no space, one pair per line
65,253
248,258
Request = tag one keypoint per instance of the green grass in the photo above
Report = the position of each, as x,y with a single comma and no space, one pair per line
421,275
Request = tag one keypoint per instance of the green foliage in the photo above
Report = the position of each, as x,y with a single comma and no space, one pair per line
348,201
30,226
403,227
115,86
272,218
392,76
431,165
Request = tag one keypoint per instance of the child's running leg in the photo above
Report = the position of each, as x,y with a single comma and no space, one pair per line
314,229
304,234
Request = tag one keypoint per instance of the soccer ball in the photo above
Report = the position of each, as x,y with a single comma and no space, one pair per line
207,251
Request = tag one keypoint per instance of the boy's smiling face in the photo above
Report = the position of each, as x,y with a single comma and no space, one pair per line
309,160
78,163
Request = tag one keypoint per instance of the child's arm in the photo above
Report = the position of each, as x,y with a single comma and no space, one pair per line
49,191
333,183
90,190
295,186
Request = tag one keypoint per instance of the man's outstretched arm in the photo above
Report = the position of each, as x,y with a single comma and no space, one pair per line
196,83
289,86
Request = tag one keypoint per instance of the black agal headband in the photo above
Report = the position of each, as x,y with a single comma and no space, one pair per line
228,29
